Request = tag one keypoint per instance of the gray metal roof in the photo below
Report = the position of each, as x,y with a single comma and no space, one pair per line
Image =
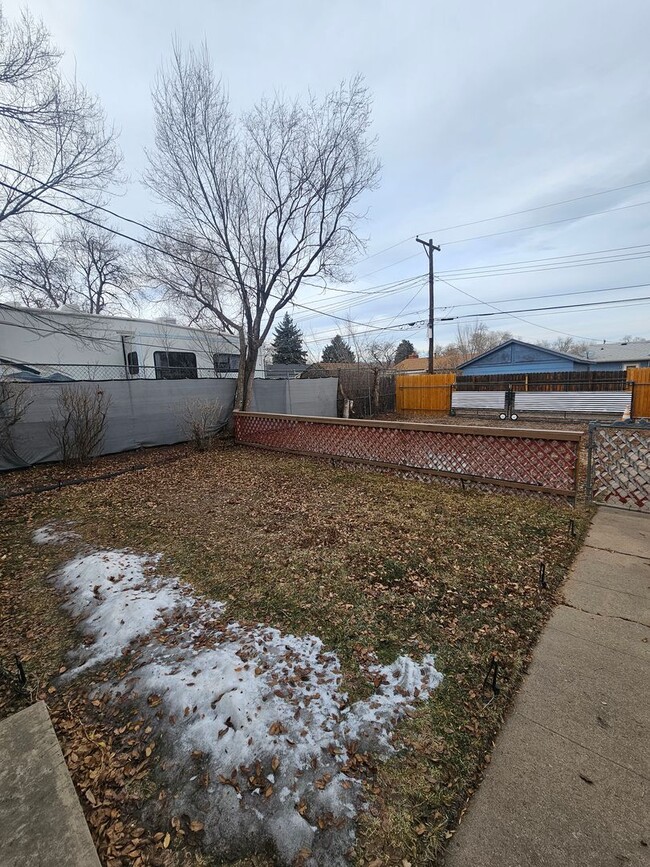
637,351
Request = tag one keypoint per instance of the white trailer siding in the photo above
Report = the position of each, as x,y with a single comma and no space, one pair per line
98,347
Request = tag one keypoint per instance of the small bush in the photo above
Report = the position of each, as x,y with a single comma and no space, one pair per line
202,422
78,422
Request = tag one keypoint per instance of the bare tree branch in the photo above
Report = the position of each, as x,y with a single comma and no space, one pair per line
269,196
53,136
44,266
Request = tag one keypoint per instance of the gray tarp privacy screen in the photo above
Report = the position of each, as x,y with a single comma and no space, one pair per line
151,412
295,396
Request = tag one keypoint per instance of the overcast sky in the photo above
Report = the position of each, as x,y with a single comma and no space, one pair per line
480,109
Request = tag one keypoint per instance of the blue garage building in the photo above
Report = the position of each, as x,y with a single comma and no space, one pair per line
515,356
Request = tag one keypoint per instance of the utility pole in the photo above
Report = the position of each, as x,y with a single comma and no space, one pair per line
429,247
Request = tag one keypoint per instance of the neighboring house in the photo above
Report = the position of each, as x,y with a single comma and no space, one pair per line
285,371
413,364
515,356
619,356
66,343
327,368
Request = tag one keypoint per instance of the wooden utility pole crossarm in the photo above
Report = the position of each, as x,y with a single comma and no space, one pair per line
429,247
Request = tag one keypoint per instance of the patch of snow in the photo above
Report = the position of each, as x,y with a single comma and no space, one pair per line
256,726
118,597
51,535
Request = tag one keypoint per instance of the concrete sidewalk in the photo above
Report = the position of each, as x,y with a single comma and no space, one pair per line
41,820
570,773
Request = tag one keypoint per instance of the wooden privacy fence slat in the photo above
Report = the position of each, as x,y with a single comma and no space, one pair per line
567,380
640,379
529,460
424,392
638,374
641,400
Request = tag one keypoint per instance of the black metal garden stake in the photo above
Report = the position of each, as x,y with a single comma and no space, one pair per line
542,576
492,670
22,677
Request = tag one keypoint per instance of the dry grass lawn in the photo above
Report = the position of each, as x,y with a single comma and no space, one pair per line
367,562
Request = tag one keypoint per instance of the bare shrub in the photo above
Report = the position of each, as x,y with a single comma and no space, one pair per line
78,422
14,403
202,421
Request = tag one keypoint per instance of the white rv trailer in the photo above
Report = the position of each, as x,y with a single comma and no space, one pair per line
66,344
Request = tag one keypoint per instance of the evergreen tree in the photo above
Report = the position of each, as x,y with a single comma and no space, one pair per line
338,352
287,343
404,350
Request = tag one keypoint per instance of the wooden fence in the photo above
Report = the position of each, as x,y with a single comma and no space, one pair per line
567,380
532,461
640,379
424,392
429,393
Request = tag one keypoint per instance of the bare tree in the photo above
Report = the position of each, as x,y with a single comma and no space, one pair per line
100,270
377,355
78,422
47,266
569,345
270,197
472,338
53,136
185,276
34,265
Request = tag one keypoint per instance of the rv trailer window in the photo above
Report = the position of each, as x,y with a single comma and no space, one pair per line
175,365
225,362
133,363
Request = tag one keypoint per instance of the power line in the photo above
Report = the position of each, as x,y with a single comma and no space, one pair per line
386,286
543,207
510,214
543,259
546,263
511,231
182,260
153,247
462,276
506,313
520,318
555,306
558,266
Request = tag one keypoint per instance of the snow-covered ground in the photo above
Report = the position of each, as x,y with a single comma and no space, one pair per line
257,732
51,535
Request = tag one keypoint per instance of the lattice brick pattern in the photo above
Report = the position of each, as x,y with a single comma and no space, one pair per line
535,461
621,467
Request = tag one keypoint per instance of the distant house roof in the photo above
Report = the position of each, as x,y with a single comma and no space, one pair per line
339,365
412,364
513,342
634,351
284,371
420,365
342,365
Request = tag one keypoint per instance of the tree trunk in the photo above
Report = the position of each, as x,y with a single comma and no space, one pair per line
238,402
246,375
374,409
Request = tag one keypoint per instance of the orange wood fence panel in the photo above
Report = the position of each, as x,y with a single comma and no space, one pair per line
424,392
640,376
